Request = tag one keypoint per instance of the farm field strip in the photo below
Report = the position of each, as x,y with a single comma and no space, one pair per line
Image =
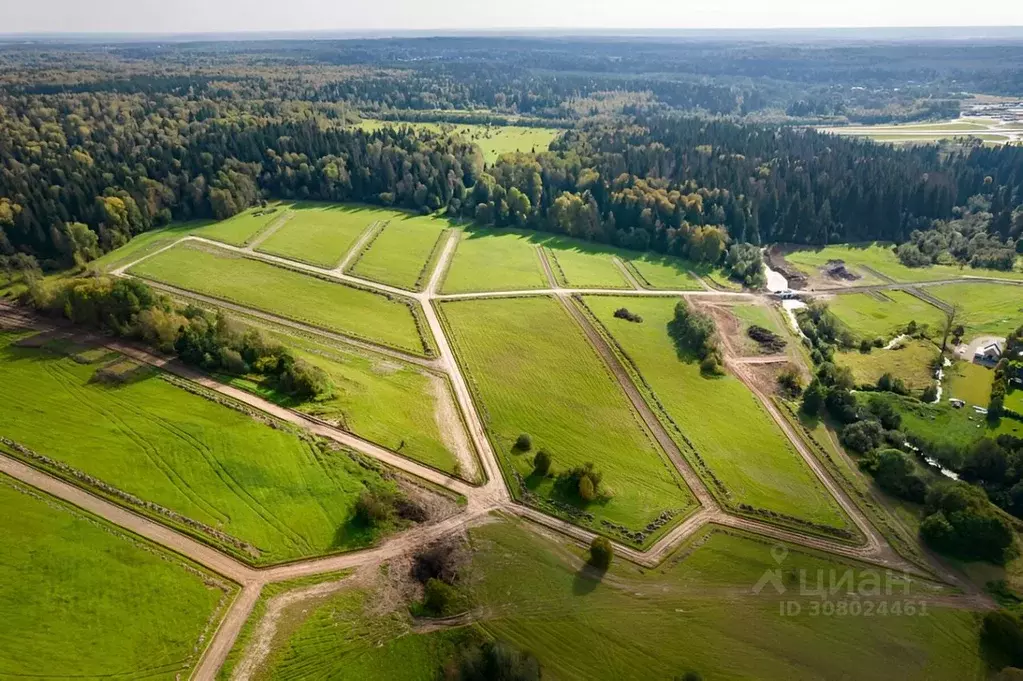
321,234
243,228
883,314
495,260
401,253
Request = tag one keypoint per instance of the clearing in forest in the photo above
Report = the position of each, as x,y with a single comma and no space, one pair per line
909,359
493,140
357,312
403,253
263,494
884,314
80,598
242,228
579,264
495,260
533,371
739,449
321,233
995,309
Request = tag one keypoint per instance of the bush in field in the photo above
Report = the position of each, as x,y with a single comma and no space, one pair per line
895,473
493,661
439,597
693,334
601,553
523,442
583,481
623,313
446,560
303,380
892,384
790,382
541,463
374,508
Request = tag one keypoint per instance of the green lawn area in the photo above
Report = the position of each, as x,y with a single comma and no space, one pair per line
666,272
881,257
994,309
884,314
495,260
264,487
145,243
321,233
970,382
731,431
578,264
360,313
533,371
82,599
1014,400
397,405
402,253
941,423
492,140
910,361
242,228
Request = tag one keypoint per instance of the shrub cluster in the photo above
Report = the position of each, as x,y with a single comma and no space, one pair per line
583,481
694,335
623,313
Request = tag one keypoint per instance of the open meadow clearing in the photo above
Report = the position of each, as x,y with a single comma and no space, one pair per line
884,314
533,371
82,599
261,493
694,614
334,306
941,423
665,272
909,360
495,260
995,309
493,140
578,264
970,382
403,253
321,233
881,258
734,437
242,228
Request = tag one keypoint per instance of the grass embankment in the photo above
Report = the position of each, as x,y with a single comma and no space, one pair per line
735,445
885,314
264,494
82,599
495,260
533,371
403,253
994,309
321,233
242,228
910,360
357,312
649,624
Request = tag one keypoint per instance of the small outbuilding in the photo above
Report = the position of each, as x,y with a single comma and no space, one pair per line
989,353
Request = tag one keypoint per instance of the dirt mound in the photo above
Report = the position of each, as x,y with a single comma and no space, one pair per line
770,343
836,269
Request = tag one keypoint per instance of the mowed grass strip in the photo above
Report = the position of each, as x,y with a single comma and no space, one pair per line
884,314
264,486
400,255
360,313
242,228
988,308
82,599
533,371
582,265
495,260
321,234
663,272
730,430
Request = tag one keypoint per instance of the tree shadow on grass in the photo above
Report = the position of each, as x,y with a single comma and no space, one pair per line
587,579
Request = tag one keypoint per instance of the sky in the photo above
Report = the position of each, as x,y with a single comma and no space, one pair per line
218,16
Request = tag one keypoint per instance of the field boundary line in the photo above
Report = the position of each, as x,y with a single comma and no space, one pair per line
268,230
629,277
361,246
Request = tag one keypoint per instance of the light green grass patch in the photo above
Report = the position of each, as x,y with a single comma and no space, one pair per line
82,599
910,360
360,313
533,371
578,264
242,228
988,308
941,423
493,140
884,314
495,260
402,254
265,487
145,243
321,233
970,382
1014,400
735,438
663,272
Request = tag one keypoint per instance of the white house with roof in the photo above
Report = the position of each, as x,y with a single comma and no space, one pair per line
989,353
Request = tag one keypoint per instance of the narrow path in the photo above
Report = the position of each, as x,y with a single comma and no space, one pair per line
227,633
551,279
703,284
356,248
626,272
269,231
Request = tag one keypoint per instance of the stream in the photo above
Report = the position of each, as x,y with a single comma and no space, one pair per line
776,281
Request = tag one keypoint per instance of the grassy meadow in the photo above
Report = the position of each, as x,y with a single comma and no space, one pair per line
533,371
493,140
495,260
732,433
884,314
305,298
578,264
970,382
242,228
402,254
988,309
262,487
81,599
942,423
321,233
910,360
663,272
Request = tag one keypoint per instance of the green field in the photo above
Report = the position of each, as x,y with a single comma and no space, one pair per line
264,487
360,313
321,233
694,614
495,260
665,272
145,243
492,140
392,403
885,314
881,258
940,423
995,309
81,599
910,360
756,315
731,431
1014,400
970,382
533,371
402,254
578,264
242,228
